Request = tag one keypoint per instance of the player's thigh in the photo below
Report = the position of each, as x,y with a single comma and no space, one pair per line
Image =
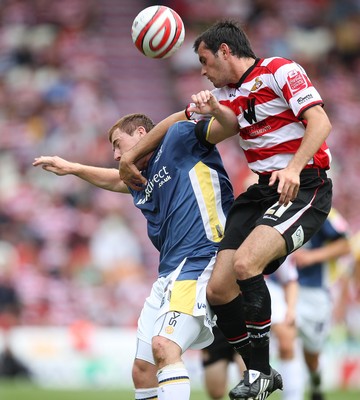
263,245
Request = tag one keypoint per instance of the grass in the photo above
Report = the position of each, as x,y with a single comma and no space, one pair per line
26,391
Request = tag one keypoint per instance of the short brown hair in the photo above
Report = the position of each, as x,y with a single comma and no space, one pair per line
130,122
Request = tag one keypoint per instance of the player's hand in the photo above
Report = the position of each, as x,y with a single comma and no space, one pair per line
130,174
288,185
203,103
303,257
54,164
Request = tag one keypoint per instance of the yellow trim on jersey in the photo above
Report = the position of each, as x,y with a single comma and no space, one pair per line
183,296
212,119
210,202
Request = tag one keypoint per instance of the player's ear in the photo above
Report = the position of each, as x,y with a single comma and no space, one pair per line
142,131
224,49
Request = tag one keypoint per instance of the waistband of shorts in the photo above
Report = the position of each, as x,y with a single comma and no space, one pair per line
307,172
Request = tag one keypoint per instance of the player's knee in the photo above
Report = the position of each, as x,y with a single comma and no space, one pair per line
165,351
242,267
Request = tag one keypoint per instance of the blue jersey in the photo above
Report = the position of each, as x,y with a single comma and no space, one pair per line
319,274
186,201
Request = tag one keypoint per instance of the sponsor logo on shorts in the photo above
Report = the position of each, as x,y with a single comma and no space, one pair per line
169,330
172,322
298,237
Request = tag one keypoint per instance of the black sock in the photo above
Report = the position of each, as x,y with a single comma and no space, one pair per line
231,321
257,308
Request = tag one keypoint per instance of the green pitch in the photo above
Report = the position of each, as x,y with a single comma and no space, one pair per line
22,391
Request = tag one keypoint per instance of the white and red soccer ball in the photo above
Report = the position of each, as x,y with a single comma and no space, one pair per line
158,31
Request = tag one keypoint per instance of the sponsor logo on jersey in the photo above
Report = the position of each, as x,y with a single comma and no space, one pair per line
249,114
158,179
255,130
302,100
296,81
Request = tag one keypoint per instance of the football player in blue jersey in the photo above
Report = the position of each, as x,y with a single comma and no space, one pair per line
186,200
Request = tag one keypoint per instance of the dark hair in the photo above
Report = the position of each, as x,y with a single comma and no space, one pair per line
130,122
228,32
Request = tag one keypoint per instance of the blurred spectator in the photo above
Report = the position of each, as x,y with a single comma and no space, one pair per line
10,308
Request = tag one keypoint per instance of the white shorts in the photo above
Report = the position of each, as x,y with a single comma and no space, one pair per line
177,310
278,302
314,317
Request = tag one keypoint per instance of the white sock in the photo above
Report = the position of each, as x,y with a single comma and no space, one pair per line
146,394
174,382
293,378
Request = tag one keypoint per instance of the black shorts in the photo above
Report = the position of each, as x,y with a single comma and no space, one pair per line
297,222
219,349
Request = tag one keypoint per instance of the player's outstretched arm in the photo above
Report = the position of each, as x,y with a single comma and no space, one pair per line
128,171
225,123
105,178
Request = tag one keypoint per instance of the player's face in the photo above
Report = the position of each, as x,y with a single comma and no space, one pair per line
122,142
213,66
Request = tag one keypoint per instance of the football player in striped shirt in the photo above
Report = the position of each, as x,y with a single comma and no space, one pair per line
282,127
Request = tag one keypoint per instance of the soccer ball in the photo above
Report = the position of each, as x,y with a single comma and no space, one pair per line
158,31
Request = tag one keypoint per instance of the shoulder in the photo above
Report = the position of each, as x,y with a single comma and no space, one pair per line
274,63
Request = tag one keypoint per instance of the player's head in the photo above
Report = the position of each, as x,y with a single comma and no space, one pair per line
127,131
129,123
228,32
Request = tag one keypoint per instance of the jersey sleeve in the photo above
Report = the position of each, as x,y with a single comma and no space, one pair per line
295,85
202,130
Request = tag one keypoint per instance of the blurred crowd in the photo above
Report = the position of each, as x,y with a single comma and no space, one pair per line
71,252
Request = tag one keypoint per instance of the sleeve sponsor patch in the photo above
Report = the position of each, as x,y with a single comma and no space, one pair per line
296,81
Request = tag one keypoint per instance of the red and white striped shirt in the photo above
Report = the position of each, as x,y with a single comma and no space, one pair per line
268,101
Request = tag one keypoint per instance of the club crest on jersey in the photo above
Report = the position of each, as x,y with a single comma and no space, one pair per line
258,83
296,81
